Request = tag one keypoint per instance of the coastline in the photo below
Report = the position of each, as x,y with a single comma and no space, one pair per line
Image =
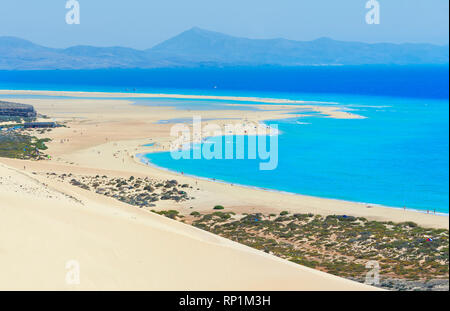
102,128
330,111
150,95
363,204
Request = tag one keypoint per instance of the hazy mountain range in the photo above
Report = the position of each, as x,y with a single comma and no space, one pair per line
198,47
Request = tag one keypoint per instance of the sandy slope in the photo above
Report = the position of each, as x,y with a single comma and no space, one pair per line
121,247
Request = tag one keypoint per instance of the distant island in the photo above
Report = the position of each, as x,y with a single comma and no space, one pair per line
197,47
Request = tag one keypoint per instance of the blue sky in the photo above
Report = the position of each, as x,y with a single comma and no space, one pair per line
144,23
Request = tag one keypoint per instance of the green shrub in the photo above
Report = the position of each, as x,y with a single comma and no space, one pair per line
221,215
169,214
409,224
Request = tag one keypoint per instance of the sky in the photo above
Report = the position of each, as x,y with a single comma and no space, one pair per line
143,23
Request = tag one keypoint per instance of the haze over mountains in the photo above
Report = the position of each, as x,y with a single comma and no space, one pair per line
198,47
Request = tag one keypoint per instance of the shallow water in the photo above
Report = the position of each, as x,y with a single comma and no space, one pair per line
397,156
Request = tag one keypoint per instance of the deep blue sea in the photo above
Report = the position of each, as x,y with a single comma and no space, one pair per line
398,156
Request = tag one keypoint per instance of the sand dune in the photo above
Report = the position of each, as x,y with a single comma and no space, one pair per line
119,247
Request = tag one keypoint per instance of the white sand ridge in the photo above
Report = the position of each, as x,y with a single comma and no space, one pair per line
119,247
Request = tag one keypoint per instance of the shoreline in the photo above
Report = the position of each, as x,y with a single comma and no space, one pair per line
156,95
330,109
220,181
105,134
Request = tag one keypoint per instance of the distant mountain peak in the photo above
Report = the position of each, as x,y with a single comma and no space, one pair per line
198,30
200,47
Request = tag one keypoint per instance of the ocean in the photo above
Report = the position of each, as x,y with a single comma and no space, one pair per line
397,156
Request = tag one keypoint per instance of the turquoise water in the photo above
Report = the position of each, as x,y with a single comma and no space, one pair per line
397,156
